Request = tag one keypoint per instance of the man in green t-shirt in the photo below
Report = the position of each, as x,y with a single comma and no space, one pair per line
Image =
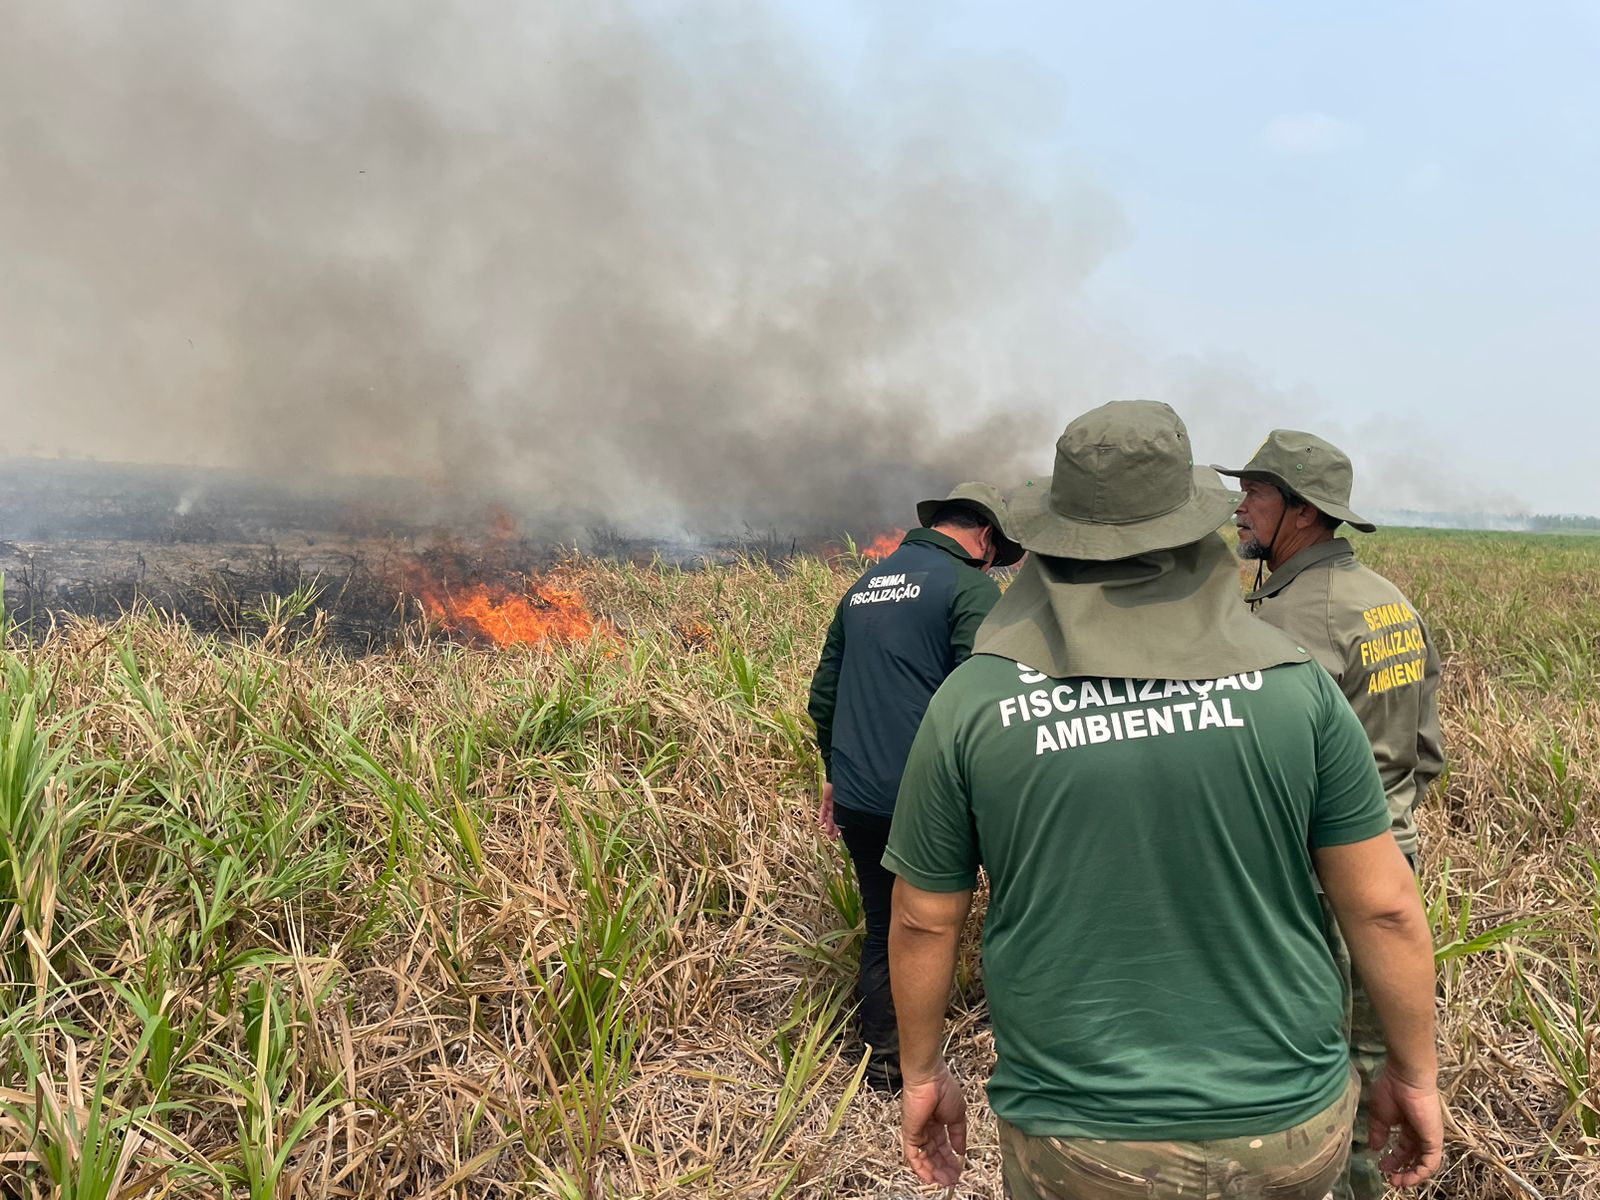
1154,783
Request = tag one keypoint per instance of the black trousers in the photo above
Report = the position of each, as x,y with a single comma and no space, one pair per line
865,836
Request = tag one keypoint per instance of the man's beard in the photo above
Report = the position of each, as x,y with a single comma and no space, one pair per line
1252,550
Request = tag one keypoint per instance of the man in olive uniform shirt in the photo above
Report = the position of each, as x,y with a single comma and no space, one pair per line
899,630
1154,783
1367,635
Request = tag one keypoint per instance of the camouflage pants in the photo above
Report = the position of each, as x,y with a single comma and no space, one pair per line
1301,1163
1362,1180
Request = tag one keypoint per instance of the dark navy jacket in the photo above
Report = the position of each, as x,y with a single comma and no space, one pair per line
903,626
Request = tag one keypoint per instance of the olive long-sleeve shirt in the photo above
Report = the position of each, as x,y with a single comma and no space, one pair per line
1367,635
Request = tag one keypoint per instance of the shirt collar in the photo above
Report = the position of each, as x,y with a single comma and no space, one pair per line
932,537
1311,556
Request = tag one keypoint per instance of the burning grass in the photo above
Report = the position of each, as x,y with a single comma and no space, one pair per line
530,611
553,919
883,545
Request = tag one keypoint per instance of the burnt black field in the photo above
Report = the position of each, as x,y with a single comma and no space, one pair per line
213,547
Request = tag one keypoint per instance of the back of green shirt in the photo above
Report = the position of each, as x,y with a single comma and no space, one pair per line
1154,952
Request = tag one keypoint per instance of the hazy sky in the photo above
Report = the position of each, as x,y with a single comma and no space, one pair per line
1387,210
728,260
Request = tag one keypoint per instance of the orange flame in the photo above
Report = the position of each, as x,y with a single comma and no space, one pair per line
697,635
509,618
883,545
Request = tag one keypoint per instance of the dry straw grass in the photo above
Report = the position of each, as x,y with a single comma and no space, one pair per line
555,922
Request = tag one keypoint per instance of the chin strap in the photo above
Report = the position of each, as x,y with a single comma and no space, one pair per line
1261,563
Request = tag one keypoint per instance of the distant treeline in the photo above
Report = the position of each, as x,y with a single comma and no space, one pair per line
1565,521
1521,522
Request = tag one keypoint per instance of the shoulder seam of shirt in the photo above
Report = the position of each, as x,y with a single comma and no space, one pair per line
1327,621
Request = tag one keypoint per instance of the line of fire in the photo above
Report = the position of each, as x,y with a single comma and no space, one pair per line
93,540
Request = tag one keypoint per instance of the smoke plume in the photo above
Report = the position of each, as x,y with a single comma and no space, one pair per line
661,267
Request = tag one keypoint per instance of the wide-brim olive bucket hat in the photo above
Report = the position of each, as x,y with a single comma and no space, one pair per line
1124,483
1309,467
986,499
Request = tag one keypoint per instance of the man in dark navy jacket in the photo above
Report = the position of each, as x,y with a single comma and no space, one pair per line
899,630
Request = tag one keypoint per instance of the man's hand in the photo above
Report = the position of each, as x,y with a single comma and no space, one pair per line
933,1126
825,813
924,936
1374,895
1411,1114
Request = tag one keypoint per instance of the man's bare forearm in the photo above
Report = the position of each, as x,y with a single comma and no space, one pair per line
924,936
1374,896
1393,957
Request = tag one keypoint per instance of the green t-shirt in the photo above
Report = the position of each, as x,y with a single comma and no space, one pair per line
1154,953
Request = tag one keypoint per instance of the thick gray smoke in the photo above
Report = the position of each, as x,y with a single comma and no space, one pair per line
657,266
653,264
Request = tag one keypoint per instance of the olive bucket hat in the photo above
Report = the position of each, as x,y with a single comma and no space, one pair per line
1130,577
985,499
1124,484
1309,467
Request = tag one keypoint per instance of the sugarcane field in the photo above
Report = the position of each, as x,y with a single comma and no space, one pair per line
549,917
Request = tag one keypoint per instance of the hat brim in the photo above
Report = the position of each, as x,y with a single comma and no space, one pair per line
1007,552
1334,509
1042,530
